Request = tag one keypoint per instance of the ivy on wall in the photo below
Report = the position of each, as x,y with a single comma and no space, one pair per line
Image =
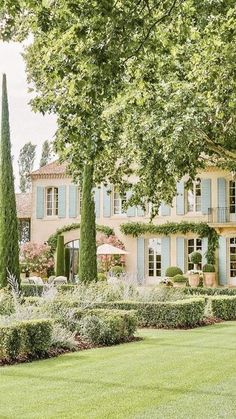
52,240
201,229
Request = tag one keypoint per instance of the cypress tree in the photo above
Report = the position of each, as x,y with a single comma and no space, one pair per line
67,263
9,244
60,265
88,250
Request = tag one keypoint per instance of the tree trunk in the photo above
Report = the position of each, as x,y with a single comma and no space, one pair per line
87,249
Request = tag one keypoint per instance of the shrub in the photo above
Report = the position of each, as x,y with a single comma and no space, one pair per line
173,271
31,290
183,313
36,257
6,303
102,276
63,338
179,279
66,288
107,327
195,258
67,263
210,291
60,259
223,307
26,337
208,268
116,270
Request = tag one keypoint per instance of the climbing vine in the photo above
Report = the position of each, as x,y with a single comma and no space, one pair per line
201,229
52,240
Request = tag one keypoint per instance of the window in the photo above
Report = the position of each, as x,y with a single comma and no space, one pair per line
194,197
118,203
154,257
232,257
52,201
194,245
232,197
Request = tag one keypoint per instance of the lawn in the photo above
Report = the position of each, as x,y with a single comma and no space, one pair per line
170,374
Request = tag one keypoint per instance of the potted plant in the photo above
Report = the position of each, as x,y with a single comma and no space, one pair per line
179,280
194,274
173,271
209,275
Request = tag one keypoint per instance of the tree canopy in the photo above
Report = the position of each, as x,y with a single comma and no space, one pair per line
26,164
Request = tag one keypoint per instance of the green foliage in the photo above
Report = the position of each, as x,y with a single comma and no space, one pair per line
195,258
46,154
183,313
52,240
26,164
223,307
88,250
9,248
210,291
27,337
202,229
102,276
173,271
117,270
108,327
67,262
180,279
208,268
31,290
60,258
6,303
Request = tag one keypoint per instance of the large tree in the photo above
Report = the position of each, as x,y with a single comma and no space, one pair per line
78,64
26,164
46,153
9,248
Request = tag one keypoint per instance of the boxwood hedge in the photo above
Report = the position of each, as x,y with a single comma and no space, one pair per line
223,307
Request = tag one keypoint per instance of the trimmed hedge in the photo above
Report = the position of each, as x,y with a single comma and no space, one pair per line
170,314
25,338
66,287
223,307
210,291
31,290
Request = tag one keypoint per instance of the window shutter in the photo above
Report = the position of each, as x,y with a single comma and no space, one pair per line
140,259
62,201
40,202
206,195
73,201
222,261
165,209
97,201
130,210
180,201
222,200
204,250
180,253
106,201
165,254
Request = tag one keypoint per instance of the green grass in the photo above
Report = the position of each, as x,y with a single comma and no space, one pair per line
170,374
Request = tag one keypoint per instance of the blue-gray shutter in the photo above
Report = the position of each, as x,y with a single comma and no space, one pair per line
222,200
107,201
130,210
206,195
165,209
222,261
73,201
165,254
204,250
62,201
180,253
140,259
97,201
140,212
40,202
180,201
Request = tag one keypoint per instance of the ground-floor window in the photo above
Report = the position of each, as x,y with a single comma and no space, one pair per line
232,257
193,245
154,257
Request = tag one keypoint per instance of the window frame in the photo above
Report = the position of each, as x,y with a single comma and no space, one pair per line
157,259
120,200
196,206
54,201
195,248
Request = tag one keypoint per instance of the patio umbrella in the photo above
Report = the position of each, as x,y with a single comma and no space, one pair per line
108,249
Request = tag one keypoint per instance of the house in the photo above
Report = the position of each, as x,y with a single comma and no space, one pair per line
55,203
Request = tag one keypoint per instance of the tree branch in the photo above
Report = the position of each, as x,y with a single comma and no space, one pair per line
217,148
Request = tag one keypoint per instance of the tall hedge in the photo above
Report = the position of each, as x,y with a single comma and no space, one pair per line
67,262
60,263
88,250
9,247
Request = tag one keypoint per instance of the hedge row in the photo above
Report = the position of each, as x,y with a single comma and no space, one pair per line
209,291
24,338
171,314
31,290
223,307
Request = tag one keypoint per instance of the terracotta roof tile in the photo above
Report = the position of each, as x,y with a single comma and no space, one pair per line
54,168
23,205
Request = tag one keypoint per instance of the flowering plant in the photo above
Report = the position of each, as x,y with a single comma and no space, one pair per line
106,262
36,257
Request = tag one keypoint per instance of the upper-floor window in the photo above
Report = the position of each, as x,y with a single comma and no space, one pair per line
52,201
194,197
232,196
194,245
118,203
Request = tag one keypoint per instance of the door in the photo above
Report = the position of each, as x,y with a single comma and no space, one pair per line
154,259
232,200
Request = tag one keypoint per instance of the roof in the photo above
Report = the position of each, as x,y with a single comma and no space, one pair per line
54,169
23,205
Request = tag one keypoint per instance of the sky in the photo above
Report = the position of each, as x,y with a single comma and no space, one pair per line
25,125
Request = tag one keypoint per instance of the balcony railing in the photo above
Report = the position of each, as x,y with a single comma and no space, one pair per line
219,215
